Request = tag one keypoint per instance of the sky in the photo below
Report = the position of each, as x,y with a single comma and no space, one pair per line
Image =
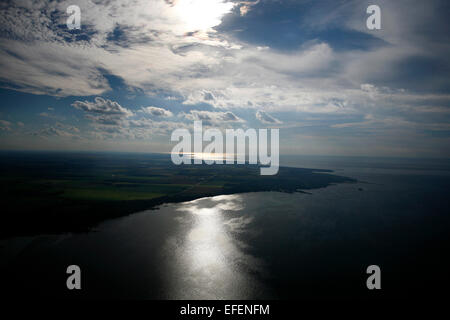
139,69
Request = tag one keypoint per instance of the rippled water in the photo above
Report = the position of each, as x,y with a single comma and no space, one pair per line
255,245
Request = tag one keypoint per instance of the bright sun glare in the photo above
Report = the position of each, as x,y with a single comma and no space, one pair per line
200,15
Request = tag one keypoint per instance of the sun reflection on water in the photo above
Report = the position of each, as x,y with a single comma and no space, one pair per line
211,261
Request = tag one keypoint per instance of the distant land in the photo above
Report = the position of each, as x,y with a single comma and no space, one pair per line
54,192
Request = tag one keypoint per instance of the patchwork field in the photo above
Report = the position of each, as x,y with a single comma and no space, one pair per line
56,192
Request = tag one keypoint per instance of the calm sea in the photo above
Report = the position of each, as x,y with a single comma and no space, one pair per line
266,245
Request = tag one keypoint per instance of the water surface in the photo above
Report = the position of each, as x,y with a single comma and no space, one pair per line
259,245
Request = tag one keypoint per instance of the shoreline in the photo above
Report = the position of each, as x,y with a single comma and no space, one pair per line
110,210
57,193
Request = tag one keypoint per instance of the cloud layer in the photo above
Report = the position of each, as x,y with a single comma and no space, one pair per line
314,65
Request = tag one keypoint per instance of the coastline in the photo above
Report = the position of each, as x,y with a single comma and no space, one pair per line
73,193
